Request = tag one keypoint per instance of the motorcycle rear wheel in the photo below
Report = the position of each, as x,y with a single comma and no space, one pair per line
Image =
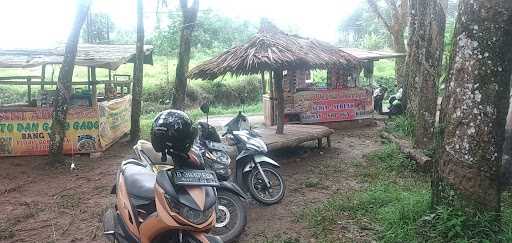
231,216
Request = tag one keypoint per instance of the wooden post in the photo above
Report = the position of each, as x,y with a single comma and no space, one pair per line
94,100
89,78
368,71
319,143
263,83
272,98
278,81
43,72
29,91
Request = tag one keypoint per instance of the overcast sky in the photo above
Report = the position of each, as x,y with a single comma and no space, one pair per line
43,23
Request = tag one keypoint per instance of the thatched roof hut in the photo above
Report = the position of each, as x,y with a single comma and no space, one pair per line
272,49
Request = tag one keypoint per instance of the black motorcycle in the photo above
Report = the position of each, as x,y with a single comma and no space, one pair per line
255,171
231,211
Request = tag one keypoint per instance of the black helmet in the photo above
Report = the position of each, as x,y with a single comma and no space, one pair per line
172,132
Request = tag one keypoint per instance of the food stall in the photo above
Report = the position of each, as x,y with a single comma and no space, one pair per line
340,97
99,112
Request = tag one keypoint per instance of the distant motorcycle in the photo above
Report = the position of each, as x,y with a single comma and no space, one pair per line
255,171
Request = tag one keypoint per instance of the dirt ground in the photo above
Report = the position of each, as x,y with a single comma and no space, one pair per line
41,204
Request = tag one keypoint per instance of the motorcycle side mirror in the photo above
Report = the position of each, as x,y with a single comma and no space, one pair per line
205,108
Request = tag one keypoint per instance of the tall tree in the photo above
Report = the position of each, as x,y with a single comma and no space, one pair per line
138,71
98,28
475,106
395,24
424,64
63,95
189,22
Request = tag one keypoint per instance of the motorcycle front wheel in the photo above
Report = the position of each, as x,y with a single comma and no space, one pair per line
231,216
258,188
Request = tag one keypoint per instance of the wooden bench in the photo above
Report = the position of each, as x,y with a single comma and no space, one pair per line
294,135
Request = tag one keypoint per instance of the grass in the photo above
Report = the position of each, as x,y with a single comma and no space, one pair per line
391,160
402,126
384,68
396,202
312,182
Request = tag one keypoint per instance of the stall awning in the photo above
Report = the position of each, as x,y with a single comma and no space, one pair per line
366,55
91,55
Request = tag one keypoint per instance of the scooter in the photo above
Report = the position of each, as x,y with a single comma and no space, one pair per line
231,210
255,171
174,205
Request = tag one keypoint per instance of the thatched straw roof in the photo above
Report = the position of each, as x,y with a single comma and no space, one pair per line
273,49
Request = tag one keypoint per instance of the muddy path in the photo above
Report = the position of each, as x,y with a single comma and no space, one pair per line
41,204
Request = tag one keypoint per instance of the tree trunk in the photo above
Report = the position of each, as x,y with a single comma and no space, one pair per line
180,85
506,169
424,59
399,46
279,93
395,24
138,74
63,94
475,105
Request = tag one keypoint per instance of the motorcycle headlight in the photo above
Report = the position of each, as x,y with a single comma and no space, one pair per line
221,157
192,215
218,161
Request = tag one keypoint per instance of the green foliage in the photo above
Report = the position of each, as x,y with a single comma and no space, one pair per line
12,94
384,68
372,42
398,205
228,91
150,110
319,77
384,75
97,28
402,125
213,33
390,159
362,30
454,224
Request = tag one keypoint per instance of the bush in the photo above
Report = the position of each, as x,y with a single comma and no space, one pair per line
230,91
227,92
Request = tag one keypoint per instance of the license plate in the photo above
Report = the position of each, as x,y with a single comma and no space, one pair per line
195,178
217,146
